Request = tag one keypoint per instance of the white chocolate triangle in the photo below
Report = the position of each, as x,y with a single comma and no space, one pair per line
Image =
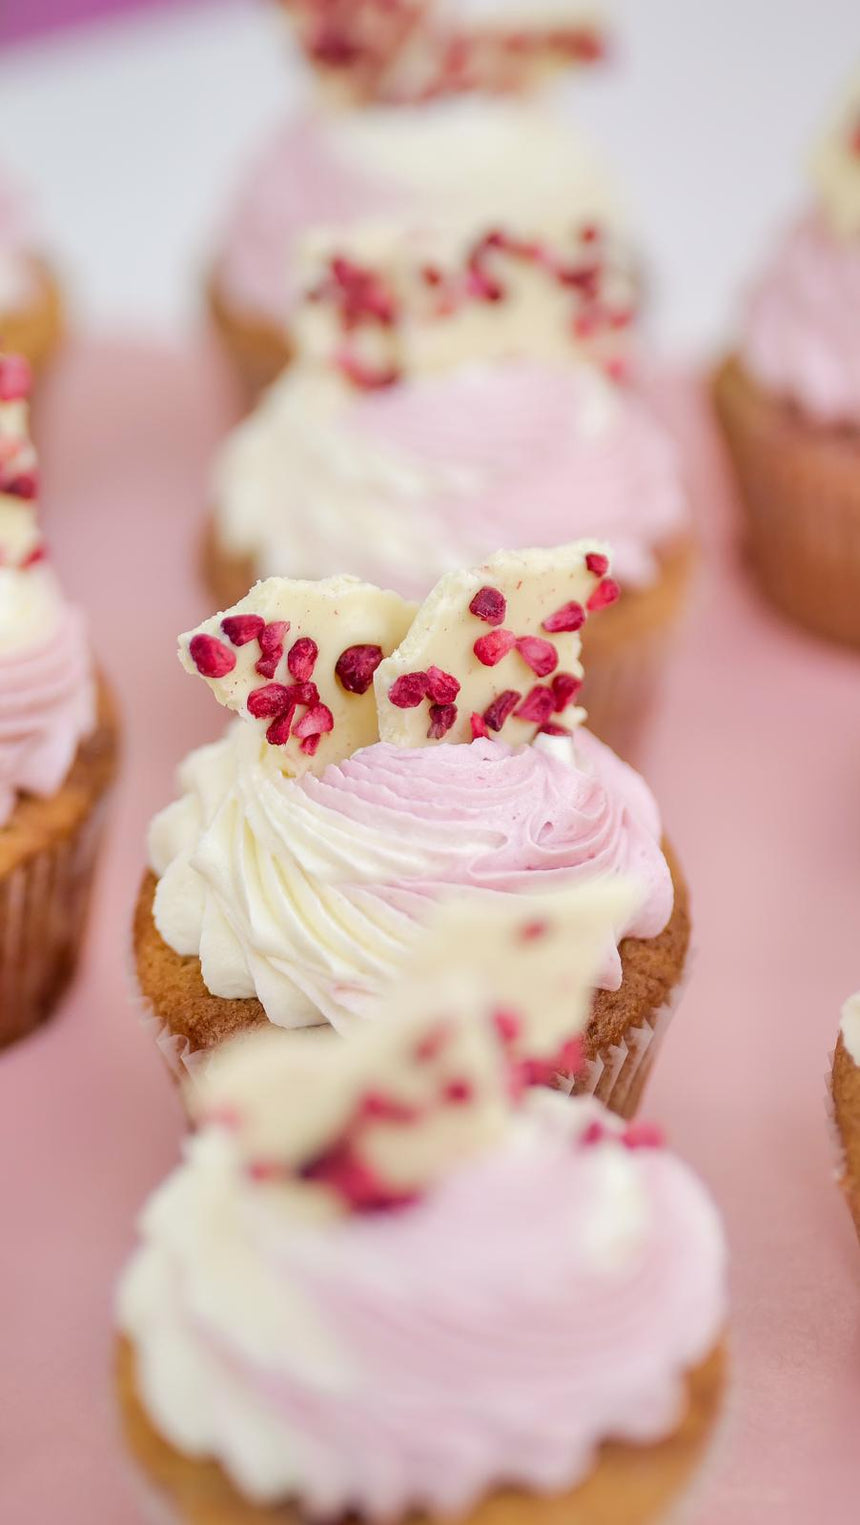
336,614
535,585
535,957
289,1101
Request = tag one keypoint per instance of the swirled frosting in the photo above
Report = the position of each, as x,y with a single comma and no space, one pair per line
402,485
801,335
307,892
47,693
543,1298
478,162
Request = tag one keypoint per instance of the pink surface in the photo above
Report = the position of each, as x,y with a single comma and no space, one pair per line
756,760
25,18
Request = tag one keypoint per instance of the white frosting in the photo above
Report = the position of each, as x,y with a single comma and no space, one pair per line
543,1298
851,1026
401,486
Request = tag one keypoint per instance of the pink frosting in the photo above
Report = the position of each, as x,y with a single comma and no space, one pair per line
490,1337
522,433
490,817
295,184
47,705
801,337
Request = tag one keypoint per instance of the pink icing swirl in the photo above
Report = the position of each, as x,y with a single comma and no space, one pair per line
588,459
488,817
801,337
47,705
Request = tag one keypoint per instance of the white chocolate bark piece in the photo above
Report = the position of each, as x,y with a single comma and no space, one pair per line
296,659
383,300
361,1123
20,537
495,650
527,963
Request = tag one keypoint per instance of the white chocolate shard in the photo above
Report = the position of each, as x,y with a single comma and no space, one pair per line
495,651
296,660
376,1117
532,961
385,301
20,537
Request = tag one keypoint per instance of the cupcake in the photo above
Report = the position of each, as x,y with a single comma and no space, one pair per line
402,484
57,744
416,50
465,167
846,1103
789,402
30,305
385,758
292,1341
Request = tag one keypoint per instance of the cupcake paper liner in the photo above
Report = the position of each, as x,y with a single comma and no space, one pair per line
800,495
616,1076
44,903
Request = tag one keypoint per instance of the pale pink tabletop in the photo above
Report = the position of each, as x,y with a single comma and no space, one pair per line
756,761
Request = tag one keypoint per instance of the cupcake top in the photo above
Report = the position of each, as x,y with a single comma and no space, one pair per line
416,50
464,168
16,278
801,336
47,692
390,1276
402,484
385,758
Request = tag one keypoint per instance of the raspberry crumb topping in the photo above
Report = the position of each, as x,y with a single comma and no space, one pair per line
211,657
355,667
489,649
489,605
242,628
607,592
569,617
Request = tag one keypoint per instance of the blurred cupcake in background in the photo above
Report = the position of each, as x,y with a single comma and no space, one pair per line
58,744
403,484
454,394
406,51
571,1367
31,315
471,165
386,759
789,401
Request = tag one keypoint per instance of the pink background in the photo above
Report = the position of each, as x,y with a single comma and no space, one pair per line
756,760
26,18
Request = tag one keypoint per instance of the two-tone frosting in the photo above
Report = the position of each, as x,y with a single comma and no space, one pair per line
387,757
401,485
464,165
306,893
47,691
801,333
551,1292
